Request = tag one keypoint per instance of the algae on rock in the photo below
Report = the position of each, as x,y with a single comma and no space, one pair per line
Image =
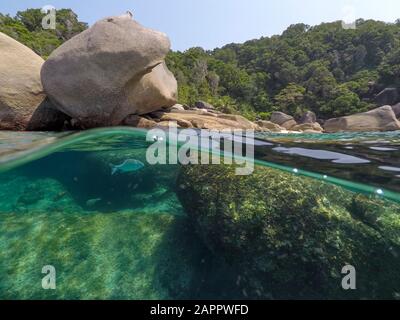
291,236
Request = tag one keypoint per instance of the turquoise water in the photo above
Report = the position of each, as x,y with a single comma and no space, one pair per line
314,204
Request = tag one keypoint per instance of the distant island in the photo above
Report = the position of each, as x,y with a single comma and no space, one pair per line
324,71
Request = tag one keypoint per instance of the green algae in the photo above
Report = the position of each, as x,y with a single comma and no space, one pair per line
96,256
146,249
291,236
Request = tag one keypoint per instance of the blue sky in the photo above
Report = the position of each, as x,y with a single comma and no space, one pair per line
213,23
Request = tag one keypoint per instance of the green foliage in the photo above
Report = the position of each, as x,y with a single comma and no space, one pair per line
325,68
26,27
290,100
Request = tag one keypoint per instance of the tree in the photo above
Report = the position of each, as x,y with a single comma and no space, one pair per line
290,100
343,103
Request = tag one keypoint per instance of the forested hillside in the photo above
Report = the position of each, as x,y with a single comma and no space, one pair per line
327,69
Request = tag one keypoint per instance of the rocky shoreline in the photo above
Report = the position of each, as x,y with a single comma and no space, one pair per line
114,74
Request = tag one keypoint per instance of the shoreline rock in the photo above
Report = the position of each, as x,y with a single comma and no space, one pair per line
283,120
380,119
112,70
21,91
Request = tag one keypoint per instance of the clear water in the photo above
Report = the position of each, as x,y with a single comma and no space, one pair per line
314,204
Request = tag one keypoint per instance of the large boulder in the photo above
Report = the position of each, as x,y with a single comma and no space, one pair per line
112,70
283,120
388,96
156,90
396,110
21,91
380,119
280,117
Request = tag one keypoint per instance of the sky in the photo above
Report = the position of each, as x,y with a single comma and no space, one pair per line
214,23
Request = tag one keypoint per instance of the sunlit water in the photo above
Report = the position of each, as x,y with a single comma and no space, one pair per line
314,204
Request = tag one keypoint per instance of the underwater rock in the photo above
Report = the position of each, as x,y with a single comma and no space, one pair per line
21,91
112,70
119,256
291,236
92,202
22,194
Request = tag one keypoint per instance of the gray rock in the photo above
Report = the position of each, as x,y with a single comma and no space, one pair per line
308,117
139,122
388,96
380,119
396,110
110,71
280,118
289,124
21,91
203,105
47,118
269,126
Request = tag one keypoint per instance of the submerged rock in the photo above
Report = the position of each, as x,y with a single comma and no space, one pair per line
21,91
291,236
380,119
110,71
